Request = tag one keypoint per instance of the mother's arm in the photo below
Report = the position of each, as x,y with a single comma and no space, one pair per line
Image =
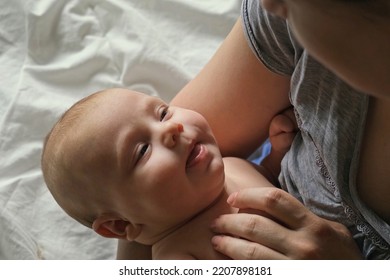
237,94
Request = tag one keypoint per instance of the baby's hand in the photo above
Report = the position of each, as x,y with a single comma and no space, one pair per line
282,131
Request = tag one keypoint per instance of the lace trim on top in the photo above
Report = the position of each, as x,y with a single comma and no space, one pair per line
361,226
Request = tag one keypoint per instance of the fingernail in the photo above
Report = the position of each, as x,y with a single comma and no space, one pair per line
215,240
232,198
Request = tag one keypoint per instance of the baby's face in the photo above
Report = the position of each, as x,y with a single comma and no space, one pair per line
161,164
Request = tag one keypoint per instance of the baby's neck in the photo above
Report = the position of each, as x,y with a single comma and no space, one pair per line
218,205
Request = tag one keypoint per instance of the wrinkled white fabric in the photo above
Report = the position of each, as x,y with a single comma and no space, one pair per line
53,53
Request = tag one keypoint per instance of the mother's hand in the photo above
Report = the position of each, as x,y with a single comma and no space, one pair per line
286,230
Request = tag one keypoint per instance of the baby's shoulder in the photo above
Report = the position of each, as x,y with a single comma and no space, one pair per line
241,173
235,162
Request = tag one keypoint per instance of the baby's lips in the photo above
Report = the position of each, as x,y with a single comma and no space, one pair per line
194,153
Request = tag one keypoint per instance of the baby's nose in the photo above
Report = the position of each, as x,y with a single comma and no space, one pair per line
171,132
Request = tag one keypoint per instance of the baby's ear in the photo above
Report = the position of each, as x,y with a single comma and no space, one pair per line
114,227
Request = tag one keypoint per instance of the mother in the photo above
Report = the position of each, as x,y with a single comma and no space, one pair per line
330,59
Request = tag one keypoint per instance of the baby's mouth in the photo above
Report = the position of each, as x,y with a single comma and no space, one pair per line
193,157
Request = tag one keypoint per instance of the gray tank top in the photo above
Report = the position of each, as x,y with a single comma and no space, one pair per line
331,118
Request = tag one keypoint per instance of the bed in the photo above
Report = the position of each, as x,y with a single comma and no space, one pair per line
53,53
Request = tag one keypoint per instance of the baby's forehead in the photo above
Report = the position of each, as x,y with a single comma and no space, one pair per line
118,108
130,98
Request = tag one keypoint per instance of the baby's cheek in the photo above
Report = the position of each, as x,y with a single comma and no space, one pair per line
163,172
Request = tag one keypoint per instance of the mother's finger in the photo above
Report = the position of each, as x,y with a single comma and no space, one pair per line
276,202
262,230
241,249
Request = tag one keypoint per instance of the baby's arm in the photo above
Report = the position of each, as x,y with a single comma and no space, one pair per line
282,131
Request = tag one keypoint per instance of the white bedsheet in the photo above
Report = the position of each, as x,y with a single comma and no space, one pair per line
54,52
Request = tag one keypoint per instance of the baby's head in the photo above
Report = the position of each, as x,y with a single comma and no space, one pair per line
130,166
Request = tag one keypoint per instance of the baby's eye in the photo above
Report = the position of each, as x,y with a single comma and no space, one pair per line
164,113
142,151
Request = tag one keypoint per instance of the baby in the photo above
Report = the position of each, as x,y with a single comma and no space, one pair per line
130,166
